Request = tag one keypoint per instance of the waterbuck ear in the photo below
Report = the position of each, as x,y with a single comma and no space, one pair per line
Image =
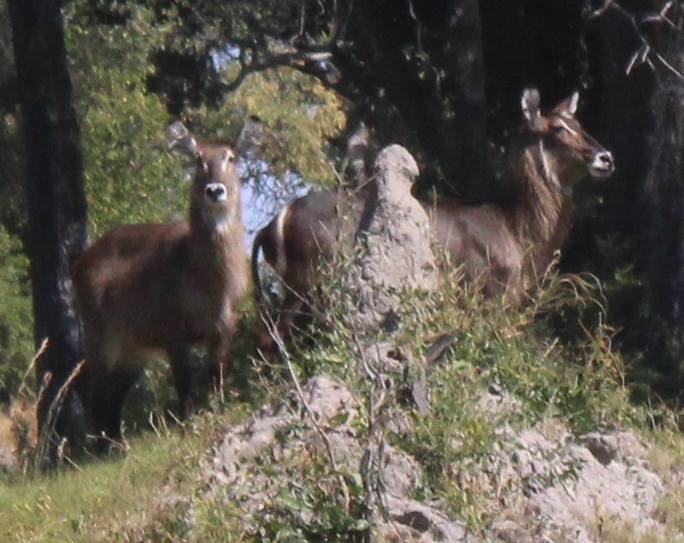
568,107
251,138
179,139
530,108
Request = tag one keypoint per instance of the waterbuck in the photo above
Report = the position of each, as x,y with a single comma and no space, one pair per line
164,287
499,245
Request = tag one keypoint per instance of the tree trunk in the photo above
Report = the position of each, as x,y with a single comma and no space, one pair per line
662,263
57,210
426,58
639,115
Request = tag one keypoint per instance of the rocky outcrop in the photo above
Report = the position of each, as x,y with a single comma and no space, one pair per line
238,472
392,248
560,486
550,485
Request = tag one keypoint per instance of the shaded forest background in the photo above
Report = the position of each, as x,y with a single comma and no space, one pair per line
443,78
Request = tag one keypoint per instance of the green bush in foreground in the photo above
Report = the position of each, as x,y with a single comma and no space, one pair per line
576,383
514,352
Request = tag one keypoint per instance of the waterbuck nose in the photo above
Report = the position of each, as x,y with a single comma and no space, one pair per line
216,192
606,161
603,165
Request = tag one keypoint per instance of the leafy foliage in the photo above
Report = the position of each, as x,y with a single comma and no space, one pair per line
300,116
12,214
129,175
16,344
511,353
16,338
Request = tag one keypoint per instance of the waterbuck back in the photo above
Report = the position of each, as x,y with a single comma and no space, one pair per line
164,287
498,245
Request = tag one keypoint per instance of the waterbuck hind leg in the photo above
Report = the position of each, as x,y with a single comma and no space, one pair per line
295,313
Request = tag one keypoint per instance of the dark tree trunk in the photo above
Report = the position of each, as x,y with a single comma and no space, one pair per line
56,206
635,240
663,201
661,325
426,58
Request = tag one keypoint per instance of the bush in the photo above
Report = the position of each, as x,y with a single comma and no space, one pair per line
16,321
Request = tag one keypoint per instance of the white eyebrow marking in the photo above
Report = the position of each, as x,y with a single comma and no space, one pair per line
226,159
565,125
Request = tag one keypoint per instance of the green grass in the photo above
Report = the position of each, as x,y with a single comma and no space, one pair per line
75,504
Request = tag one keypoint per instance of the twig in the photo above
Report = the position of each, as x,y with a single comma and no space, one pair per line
645,51
41,350
374,406
53,410
273,331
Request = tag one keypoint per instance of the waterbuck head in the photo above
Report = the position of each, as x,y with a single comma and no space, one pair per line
566,151
215,193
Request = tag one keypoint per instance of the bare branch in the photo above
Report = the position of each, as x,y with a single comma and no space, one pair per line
310,62
645,54
273,331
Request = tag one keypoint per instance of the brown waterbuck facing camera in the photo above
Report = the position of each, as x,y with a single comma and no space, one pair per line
164,287
500,245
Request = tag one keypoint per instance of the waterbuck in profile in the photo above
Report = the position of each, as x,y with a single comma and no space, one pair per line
501,246
164,287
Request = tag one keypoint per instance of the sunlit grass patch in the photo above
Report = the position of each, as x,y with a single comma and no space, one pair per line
114,499
73,505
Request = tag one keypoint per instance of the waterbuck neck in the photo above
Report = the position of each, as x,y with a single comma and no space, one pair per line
216,236
538,195
218,218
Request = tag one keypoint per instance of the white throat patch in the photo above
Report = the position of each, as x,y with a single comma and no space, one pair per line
549,175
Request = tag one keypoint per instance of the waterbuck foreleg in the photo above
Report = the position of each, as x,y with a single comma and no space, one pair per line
219,353
108,391
179,358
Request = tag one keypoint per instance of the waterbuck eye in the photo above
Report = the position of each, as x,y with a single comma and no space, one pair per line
228,158
560,126
201,163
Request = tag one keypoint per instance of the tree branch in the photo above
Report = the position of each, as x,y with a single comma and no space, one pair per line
645,54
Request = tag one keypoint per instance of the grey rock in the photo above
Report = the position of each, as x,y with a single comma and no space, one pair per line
604,447
392,245
511,532
432,524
